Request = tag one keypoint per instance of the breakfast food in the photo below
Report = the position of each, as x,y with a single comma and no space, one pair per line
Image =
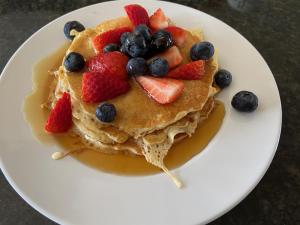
134,85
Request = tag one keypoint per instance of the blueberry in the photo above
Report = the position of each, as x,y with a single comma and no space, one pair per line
123,49
136,45
143,30
203,50
106,112
124,37
158,67
244,101
72,25
137,66
111,48
74,62
223,78
161,41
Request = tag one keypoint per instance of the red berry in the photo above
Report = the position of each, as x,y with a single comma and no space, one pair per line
137,14
172,55
179,35
60,117
158,20
191,71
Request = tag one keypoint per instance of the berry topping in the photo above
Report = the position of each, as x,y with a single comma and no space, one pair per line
173,56
143,30
136,45
137,14
123,50
60,117
106,112
223,78
72,25
109,37
158,20
111,63
124,36
111,48
203,50
162,90
98,87
137,66
74,62
158,67
191,71
244,101
179,35
161,41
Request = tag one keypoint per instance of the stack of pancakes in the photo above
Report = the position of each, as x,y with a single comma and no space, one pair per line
142,126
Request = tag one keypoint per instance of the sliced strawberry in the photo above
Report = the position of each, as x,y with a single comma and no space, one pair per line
179,35
109,37
158,20
110,63
60,117
137,14
191,71
98,87
172,55
162,90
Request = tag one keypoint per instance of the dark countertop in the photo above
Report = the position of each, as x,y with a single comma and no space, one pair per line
272,26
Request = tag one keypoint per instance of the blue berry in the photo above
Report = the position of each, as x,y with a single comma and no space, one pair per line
123,49
202,51
143,30
72,25
124,36
137,66
158,67
74,62
244,101
106,112
223,78
136,45
111,48
161,41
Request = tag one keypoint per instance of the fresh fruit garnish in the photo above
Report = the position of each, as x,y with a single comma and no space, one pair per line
143,30
109,37
158,20
158,67
74,62
72,25
98,87
110,63
223,78
124,36
162,90
136,45
60,117
179,35
173,56
161,41
137,66
191,71
106,112
202,51
111,48
137,14
244,101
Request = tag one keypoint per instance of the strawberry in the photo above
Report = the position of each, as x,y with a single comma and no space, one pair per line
110,63
137,14
108,37
191,71
172,55
158,20
98,87
162,90
178,34
60,117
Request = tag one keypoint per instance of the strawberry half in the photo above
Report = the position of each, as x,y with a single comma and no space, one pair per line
110,63
158,20
172,55
109,37
98,87
60,117
162,90
191,71
137,14
179,35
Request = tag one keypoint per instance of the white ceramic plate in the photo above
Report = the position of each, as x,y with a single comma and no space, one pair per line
69,192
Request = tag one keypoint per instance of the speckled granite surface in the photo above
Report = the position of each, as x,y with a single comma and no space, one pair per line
272,26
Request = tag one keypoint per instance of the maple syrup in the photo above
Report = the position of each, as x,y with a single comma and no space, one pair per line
122,164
